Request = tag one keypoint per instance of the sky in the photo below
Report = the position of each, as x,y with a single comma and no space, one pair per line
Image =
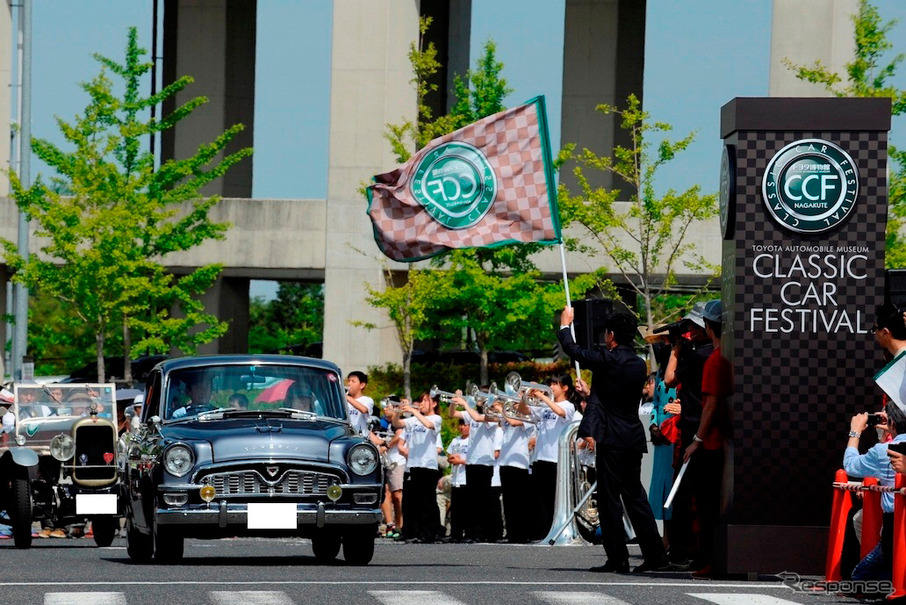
699,54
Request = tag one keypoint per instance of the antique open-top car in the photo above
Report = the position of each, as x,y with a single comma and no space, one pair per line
250,445
60,465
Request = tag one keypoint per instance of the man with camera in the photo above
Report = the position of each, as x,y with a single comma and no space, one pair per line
890,334
612,420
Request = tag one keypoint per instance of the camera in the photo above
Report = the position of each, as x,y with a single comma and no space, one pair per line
674,331
876,419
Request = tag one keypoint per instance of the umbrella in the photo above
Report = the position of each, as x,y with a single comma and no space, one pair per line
275,392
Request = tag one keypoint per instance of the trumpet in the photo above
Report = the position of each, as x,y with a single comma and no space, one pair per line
394,405
386,437
515,386
511,407
448,397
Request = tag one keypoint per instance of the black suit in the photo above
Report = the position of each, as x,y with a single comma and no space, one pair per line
612,419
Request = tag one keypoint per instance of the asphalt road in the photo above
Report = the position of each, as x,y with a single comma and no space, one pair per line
284,572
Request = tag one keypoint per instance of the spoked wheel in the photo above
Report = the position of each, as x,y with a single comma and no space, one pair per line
20,513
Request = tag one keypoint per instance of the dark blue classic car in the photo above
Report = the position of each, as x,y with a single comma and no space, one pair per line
250,446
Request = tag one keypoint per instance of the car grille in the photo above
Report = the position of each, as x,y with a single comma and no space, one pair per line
92,444
252,482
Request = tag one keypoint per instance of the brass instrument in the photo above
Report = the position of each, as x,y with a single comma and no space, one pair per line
516,386
575,512
487,401
510,408
387,403
445,396
387,437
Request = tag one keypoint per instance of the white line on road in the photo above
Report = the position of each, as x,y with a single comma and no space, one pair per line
250,597
741,599
413,597
578,598
541,584
84,598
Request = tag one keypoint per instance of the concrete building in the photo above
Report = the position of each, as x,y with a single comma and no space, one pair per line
320,240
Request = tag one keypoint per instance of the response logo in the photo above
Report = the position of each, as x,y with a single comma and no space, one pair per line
810,186
455,184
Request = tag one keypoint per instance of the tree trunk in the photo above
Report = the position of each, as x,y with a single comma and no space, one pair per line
483,365
99,345
407,374
127,353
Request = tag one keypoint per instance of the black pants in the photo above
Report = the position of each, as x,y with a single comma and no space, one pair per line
619,477
421,517
516,503
458,504
478,486
701,487
544,483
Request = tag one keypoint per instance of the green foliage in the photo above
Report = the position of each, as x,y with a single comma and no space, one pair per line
294,317
870,75
656,225
103,244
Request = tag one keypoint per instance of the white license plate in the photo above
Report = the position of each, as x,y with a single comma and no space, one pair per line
267,515
95,504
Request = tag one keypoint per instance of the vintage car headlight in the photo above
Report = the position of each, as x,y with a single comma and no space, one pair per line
62,447
179,460
362,459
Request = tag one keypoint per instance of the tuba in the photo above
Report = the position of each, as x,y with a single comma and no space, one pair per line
575,513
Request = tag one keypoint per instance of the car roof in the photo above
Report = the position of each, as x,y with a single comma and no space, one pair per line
220,360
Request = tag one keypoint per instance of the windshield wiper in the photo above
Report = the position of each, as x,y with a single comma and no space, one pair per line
298,414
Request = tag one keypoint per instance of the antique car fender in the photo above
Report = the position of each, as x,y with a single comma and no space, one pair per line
23,456
18,461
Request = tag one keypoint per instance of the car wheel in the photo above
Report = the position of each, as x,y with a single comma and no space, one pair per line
326,546
138,545
20,512
104,529
168,545
358,545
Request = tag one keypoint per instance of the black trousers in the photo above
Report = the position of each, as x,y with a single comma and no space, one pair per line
701,487
544,483
619,478
421,517
517,505
458,504
480,508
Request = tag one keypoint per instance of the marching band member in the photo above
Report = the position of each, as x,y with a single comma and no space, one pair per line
421,514
358,405
456,456
514,479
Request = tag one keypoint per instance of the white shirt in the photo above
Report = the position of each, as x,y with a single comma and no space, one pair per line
550,426
514,446
481,442
422,441
495,477
393,453
458,446
359,420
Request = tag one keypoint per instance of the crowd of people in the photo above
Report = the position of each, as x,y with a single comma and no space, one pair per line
503,466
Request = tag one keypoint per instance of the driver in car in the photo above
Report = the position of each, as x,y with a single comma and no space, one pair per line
199,391
299,397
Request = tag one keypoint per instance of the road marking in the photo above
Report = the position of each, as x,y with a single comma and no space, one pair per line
432,583
413,597
578,598
741,599
86,598
250,597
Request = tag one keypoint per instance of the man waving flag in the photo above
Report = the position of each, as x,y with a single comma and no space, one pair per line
487,184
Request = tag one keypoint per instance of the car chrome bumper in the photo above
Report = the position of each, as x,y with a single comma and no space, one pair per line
223,514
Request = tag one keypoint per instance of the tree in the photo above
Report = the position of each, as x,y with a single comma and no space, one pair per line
104,243
655,225
870,74
295,318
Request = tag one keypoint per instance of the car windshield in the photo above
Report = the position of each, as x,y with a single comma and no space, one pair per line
72,400
252,388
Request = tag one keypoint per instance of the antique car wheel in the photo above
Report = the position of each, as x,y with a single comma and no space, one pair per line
20,512
138,546
168,545
104,529
326,546
358,545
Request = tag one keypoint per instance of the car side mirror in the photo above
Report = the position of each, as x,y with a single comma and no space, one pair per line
154,421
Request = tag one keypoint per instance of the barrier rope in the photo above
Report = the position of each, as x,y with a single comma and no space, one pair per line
855,486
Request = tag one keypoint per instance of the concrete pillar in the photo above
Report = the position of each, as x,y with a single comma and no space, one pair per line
370,87
450,31
6,61
603,62
228,300
805,31
214,42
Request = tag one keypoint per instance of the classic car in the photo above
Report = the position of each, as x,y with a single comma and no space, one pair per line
240,445
59,466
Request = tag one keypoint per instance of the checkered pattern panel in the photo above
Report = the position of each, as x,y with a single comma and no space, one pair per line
521,212
797,390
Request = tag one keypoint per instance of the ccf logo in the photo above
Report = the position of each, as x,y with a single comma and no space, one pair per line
810,186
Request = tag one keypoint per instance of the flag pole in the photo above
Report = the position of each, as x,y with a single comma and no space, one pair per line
569,303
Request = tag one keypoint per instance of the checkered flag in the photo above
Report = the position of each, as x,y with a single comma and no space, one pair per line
487,184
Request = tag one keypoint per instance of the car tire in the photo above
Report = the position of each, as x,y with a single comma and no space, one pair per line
104,529
139,546
326,546
168,545
358,545
20,513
